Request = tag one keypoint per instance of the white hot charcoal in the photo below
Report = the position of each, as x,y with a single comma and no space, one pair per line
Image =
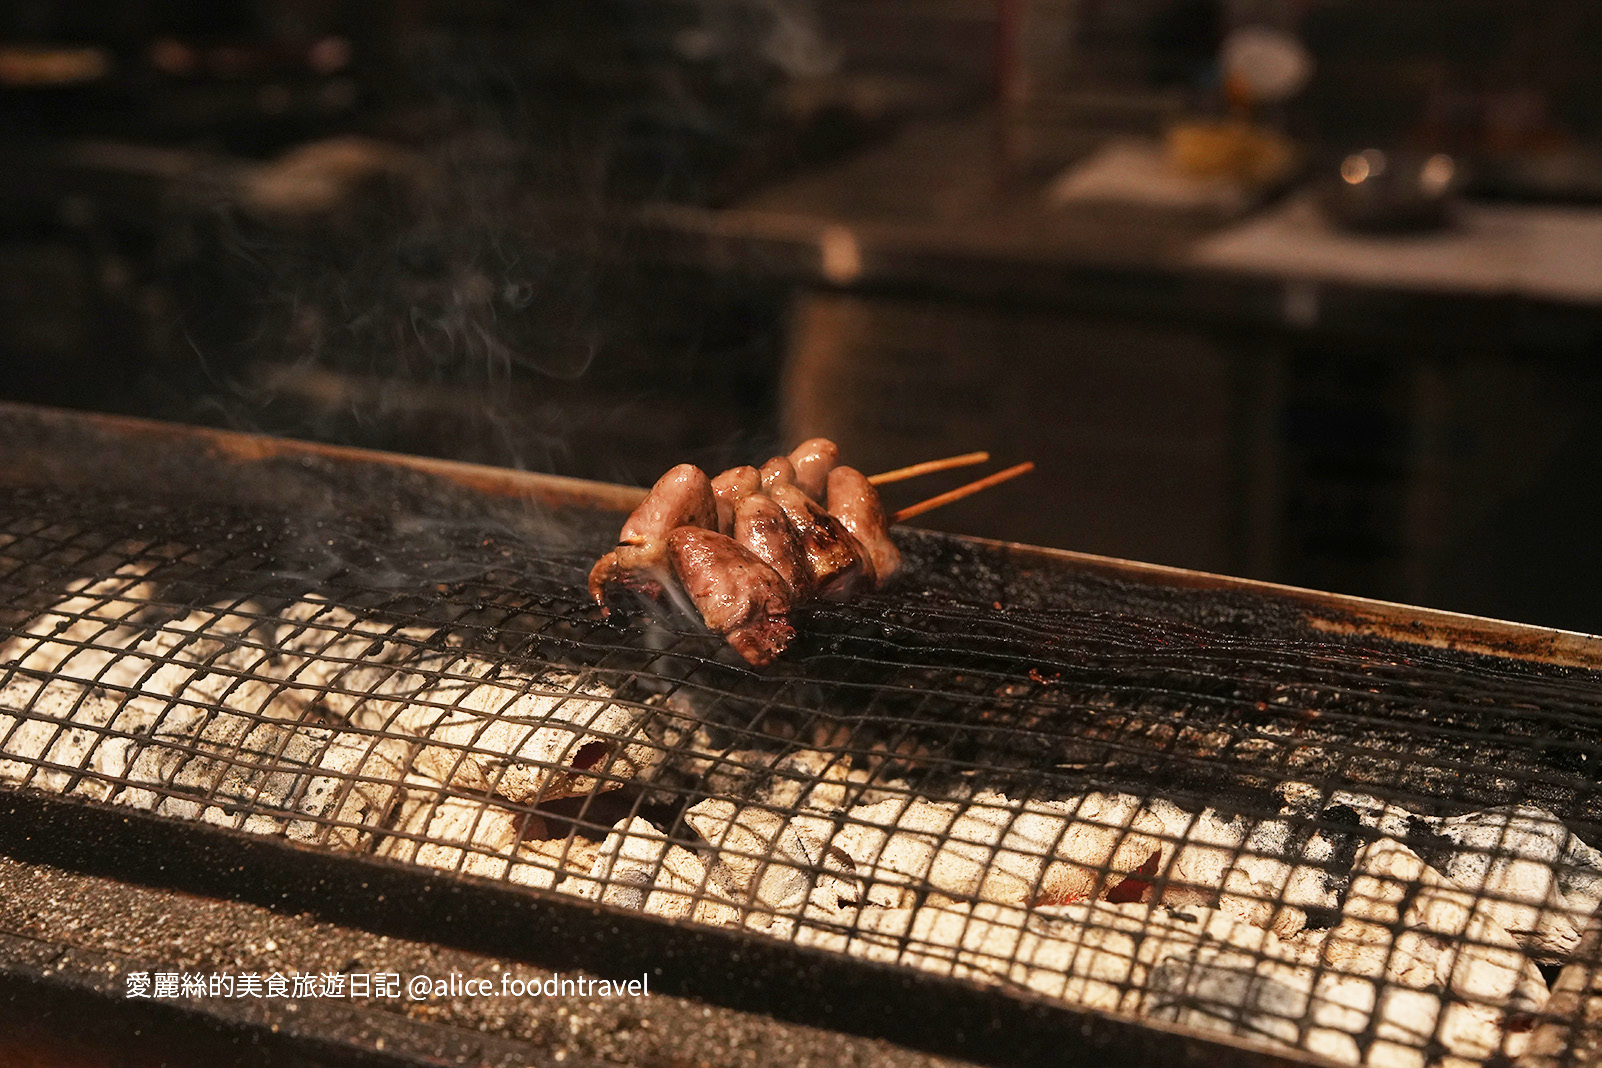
1259,869
1420,929
358,781
998,850
638,868
524,738
1539,879
771,864
465,834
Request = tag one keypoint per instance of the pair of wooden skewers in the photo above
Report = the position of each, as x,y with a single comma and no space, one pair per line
929,467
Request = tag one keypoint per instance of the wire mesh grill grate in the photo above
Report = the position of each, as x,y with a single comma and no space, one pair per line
1190,812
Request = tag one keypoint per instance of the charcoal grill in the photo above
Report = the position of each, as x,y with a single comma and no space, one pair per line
1028,802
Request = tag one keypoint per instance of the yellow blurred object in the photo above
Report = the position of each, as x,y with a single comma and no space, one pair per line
1229,148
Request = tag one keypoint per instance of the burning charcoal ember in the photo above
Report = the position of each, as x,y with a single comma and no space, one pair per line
729,489
104,636
53,732
1403,1028
1200,967
1535,877
682,497
465,834
228,769
853,500
1570,1031
812,461
1002,851
1093,954
629,863
1408,924
738,596
84,633
522,740
1532,874
564,861
772,865
819,781
480,728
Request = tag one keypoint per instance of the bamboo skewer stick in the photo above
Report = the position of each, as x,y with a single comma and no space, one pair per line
951,496
929,467
632,496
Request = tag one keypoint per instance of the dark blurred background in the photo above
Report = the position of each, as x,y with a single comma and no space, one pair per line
1305,291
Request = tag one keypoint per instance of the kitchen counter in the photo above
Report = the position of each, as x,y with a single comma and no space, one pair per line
926,214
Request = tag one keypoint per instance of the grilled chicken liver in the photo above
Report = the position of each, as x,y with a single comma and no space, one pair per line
813,459
840,567
760,525
729,488
776,472
681,498
738,595
854,501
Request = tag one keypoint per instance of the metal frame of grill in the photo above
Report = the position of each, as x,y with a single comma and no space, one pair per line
304,599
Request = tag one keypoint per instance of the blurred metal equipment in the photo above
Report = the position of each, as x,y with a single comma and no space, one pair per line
1392,192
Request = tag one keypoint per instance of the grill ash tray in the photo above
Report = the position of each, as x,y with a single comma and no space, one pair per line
1078,795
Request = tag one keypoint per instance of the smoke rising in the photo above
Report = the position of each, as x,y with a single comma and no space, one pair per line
449,280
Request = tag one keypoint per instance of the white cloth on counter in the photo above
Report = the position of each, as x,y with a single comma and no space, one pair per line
1136,171
1542,252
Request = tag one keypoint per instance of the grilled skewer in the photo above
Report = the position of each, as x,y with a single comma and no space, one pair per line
777,471
749,545
839,565
761,526
813,459
929,467
952,496
729,488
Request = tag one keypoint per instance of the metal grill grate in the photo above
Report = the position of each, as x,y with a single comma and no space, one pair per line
1187,809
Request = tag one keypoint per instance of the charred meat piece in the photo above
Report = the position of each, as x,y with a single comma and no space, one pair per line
854,501
778,471
839,565
761,526
813,459
681,498
738,595
729,488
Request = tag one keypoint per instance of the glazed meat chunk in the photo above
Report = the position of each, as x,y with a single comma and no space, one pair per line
681,498
854,501
778,471
738,596
838,564
760,525
728,488
812,460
